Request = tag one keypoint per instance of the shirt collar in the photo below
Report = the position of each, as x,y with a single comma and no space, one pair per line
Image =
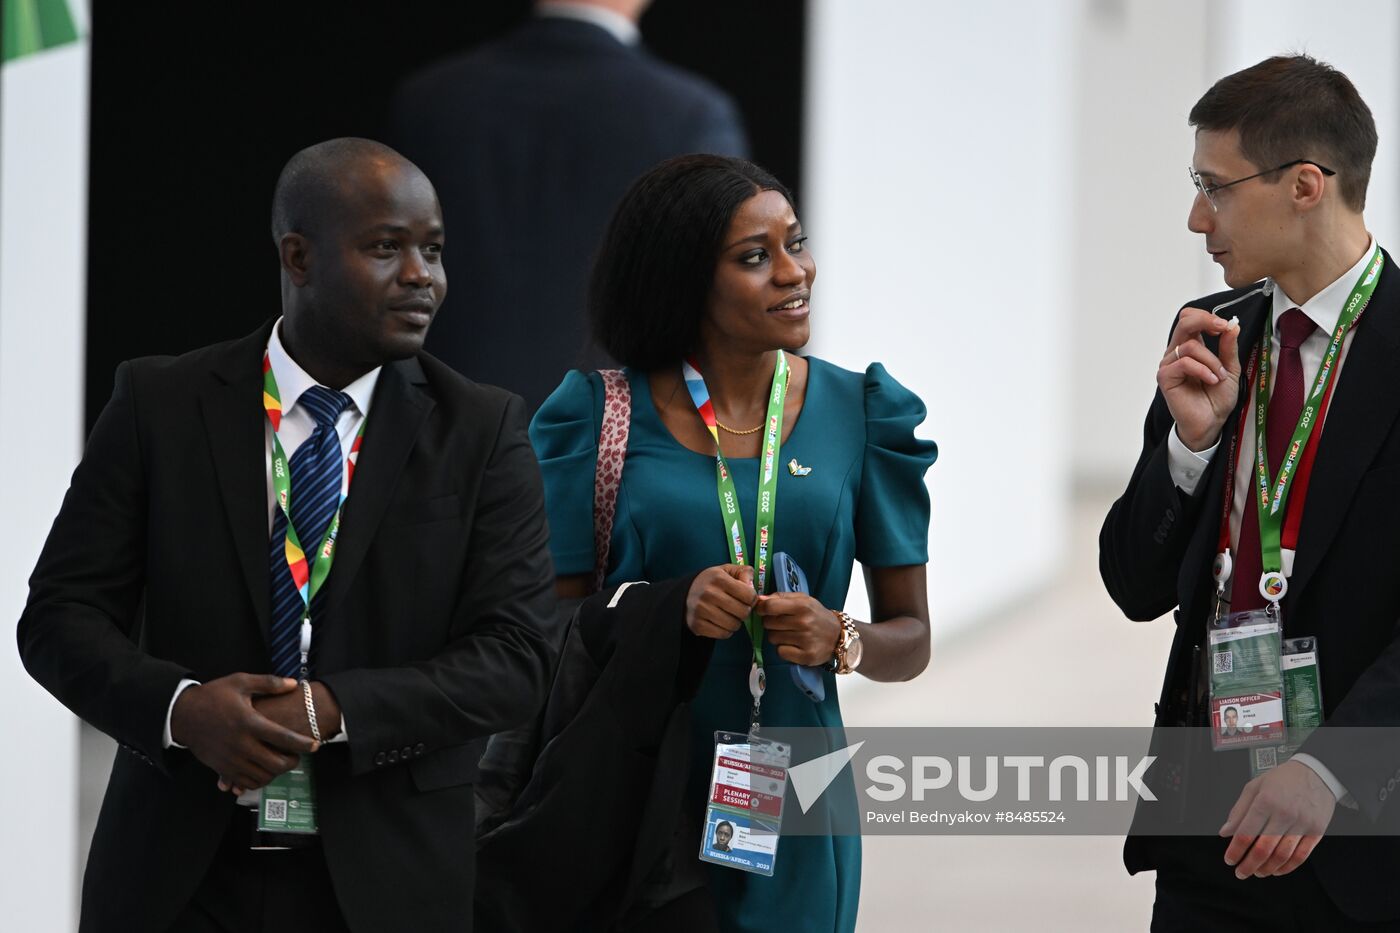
1325,308
621,28
292,380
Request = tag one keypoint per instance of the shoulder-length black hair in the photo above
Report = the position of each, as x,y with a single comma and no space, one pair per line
654,270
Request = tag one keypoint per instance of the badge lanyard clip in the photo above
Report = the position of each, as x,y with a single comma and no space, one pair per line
1221,571
758,682
306,647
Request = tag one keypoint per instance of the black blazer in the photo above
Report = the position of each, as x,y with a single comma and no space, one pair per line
531,141
435,632
1156,549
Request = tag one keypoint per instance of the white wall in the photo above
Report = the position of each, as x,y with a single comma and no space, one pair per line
1139,66
937,149
43,223
1358,38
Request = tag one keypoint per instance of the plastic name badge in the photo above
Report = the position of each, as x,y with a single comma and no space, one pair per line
289,802
744,814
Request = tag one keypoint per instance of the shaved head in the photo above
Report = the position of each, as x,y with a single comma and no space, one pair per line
359,235
315,183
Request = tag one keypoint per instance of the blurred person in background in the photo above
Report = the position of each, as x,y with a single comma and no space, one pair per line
703,285
532,140
1281,165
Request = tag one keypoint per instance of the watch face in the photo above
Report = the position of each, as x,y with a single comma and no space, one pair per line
853,650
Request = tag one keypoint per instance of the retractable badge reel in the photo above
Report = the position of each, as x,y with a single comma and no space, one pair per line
758,682
1273,586
1221,570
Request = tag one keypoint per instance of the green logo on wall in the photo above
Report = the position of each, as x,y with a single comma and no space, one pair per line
31,26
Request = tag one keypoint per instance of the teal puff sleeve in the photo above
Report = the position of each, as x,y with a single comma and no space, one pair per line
892,508
564,433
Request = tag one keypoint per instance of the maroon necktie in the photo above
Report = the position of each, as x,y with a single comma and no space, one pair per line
1285,406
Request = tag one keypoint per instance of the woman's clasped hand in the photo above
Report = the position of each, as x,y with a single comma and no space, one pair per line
722,598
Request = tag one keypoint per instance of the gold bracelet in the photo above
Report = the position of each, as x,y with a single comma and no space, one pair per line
311,710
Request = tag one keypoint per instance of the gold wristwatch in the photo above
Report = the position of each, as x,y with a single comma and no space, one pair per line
848,649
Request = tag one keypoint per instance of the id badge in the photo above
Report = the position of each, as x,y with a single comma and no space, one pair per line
1246,681
1302,702
289,802
745,810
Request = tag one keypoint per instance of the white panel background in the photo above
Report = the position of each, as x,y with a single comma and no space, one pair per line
936,153
43,245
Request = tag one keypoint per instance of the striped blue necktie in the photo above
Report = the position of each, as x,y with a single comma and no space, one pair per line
317,471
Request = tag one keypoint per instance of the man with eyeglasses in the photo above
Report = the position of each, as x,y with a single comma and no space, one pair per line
1282,159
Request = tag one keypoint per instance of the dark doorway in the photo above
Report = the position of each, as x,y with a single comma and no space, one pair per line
191,125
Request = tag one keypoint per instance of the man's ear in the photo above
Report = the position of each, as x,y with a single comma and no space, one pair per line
1308,188
295,253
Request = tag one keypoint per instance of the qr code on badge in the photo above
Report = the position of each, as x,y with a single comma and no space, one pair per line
1224,662
1265,758
275,811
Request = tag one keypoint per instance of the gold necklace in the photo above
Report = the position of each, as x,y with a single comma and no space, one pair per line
739,433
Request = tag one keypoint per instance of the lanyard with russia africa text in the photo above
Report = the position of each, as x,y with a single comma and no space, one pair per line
729,500
1272,494
308,575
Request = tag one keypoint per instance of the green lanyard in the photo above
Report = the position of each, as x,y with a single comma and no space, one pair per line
309,574
1273,497
729,496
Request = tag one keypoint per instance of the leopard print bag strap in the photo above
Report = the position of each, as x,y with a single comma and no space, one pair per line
612,451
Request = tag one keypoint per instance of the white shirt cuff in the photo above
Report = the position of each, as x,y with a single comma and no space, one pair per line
1335,786
166,740
1186,465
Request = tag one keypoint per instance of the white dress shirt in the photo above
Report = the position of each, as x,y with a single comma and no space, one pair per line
296,428
1187,467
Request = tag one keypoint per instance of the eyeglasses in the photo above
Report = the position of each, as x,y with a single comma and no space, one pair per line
1209,190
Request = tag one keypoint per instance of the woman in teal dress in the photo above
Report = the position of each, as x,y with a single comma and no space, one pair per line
705,260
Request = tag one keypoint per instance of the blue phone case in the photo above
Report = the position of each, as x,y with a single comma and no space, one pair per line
789,578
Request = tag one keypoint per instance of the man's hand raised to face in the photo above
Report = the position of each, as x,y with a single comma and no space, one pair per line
218,723
1200,388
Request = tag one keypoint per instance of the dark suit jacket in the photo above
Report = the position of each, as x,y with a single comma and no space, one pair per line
531,141
434,633
1156,550
590,796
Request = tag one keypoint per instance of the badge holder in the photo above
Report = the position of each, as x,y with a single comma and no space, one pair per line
1246,681
744,814
289,802
1302,703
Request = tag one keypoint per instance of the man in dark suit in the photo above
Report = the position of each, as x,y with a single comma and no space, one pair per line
163,613
533,139
1282,160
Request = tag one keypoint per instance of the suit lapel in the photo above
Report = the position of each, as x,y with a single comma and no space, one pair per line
233,423
1363,410
397,413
